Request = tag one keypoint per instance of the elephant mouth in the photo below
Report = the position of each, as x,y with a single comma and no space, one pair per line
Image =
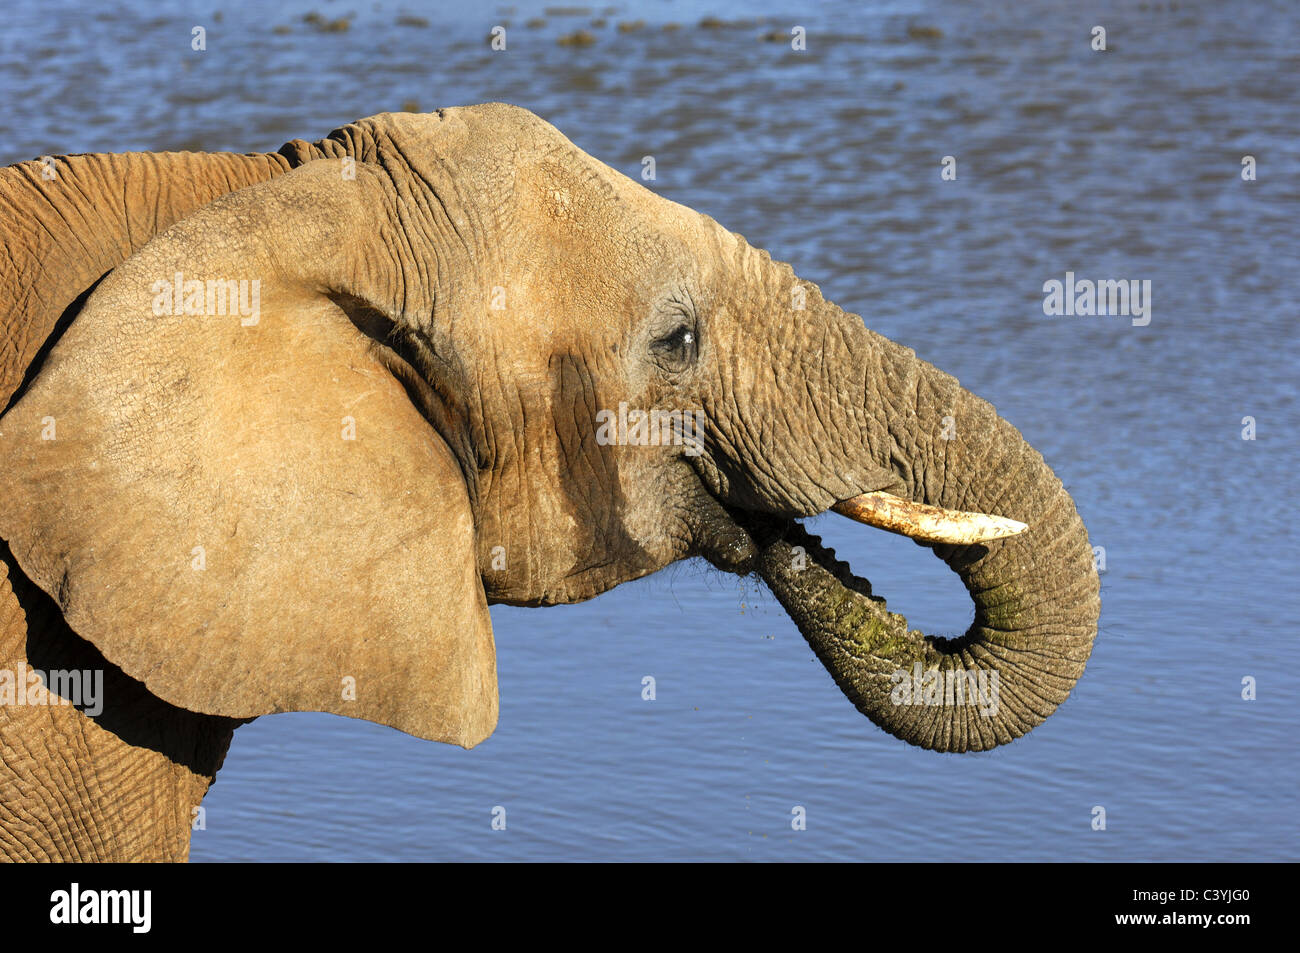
820,592
775,539
796,549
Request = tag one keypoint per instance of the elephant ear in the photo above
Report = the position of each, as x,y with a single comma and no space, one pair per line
228,491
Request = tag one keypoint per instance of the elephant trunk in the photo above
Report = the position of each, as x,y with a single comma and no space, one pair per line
1035,594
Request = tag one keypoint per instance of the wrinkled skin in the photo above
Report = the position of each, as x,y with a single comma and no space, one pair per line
463,300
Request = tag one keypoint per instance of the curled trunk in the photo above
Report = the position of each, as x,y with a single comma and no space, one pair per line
1035,594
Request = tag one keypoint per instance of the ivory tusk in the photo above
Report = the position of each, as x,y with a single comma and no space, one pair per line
929,524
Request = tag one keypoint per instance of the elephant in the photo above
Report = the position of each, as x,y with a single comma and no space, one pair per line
278,428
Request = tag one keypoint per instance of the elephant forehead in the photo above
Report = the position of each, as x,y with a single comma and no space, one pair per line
572,190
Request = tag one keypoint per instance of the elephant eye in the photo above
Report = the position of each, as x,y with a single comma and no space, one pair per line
677,350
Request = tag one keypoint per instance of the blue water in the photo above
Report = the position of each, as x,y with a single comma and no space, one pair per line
1124,164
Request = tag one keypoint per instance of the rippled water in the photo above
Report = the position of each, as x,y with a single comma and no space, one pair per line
1124,164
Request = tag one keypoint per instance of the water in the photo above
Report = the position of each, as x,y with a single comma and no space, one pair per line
1124,164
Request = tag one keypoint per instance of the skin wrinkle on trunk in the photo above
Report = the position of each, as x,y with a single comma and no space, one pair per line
1036,594
870,416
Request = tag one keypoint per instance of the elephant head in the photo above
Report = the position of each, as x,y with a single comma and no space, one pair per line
292,448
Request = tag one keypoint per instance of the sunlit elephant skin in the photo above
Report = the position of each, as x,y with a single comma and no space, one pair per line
305,498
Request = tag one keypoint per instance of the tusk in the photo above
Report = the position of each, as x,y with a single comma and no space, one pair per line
925,523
